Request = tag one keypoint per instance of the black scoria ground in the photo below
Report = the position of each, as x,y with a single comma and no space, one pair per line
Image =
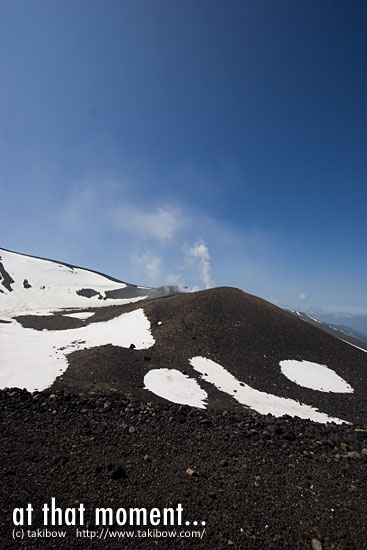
259,482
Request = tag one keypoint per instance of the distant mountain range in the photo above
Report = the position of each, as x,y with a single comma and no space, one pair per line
355,324
69,328
343,332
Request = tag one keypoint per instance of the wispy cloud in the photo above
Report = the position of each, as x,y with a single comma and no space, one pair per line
173,279
79,210
302,297
154,268
150,264
200,252
146,237
162,223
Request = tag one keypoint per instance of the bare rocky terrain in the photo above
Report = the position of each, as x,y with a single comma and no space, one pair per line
257,481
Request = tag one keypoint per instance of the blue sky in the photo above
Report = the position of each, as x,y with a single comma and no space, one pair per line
200,142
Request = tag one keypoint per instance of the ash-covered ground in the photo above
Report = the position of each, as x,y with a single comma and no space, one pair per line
257,481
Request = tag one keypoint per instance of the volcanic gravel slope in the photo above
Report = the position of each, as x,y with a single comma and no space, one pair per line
246,335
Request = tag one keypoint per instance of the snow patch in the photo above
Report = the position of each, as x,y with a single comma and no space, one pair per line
80,314
174,386
316,321
314,376
260,401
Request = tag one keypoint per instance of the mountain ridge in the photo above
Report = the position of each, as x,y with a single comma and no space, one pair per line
224,346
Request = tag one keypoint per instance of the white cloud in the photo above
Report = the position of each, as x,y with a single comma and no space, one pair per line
172,279
114,216
108,202
154,268
89,207
151,265
302,296
78,212
161,223
200,252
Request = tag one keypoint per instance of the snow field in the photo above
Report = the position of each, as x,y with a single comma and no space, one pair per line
33,359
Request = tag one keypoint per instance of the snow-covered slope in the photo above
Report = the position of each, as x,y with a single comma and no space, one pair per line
33,359
33,284
46,289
